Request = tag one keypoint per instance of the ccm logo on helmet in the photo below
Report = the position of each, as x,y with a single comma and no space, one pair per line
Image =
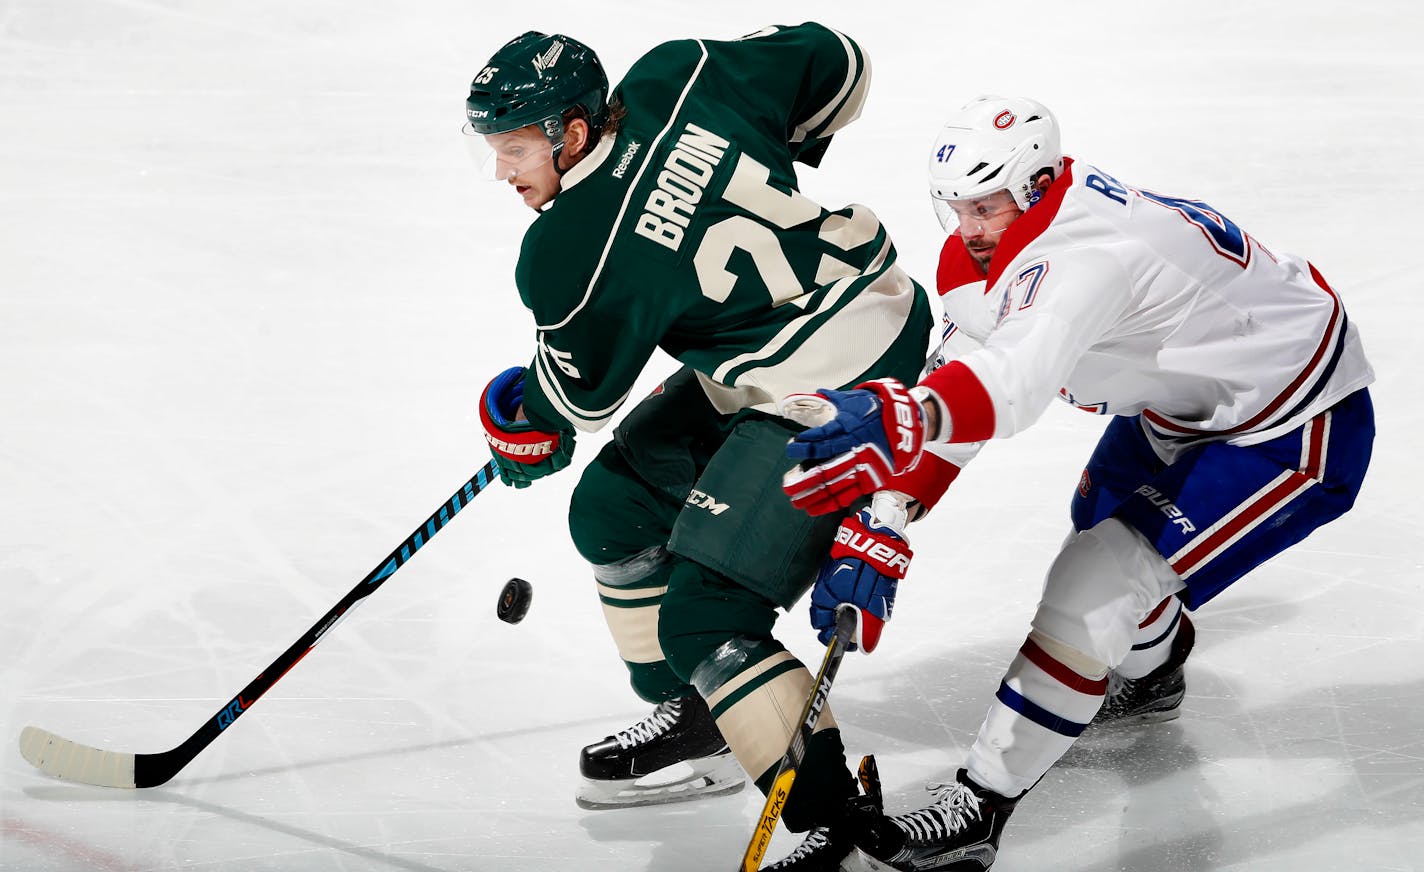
1004,120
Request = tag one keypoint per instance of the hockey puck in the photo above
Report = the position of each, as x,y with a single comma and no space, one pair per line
514,600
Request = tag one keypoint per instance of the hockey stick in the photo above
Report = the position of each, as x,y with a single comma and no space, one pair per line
73,761
846,617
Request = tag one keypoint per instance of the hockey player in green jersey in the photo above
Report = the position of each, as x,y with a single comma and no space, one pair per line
670,217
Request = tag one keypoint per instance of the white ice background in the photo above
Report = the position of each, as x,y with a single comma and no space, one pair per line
250,289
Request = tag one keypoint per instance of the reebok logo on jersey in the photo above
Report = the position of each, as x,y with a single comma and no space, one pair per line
1167,507
623,162
685,174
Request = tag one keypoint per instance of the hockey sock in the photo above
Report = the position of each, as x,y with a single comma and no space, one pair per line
1042,706
823,784
1152,645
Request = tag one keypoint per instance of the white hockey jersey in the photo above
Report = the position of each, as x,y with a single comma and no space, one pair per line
1122,301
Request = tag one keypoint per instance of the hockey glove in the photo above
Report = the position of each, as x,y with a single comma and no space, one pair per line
873,432
867,561
521,452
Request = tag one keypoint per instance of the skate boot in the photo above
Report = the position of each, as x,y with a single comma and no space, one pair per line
958,832
822,850
1155,697
673,755
832,848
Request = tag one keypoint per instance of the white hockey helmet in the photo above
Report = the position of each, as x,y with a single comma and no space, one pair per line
993,144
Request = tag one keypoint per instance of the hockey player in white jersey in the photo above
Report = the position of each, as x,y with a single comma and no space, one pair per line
1239,422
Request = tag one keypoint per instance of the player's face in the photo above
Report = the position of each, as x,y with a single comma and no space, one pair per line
981,222
524,158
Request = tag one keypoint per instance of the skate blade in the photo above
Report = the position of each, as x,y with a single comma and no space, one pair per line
859,861
681,782
1157,717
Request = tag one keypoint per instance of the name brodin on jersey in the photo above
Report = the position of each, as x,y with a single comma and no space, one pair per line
686,172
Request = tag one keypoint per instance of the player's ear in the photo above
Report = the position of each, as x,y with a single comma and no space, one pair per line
576,138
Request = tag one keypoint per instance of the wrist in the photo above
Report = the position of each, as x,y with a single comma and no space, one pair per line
890,508
503,398
932,410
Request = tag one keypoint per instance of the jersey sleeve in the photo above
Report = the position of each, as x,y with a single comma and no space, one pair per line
1056,308
594,336
579,378
813,80
936,470
961,290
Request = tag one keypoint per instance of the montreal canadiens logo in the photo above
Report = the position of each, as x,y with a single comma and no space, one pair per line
1004,120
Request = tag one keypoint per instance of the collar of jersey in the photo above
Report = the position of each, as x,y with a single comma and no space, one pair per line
584,168
1027,228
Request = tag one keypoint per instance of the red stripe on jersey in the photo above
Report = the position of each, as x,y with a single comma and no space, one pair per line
971,411
927,481
956,267
1028,226
1061,673
1325,345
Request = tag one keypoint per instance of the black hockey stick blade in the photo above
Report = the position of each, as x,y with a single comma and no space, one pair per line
846,619
73,761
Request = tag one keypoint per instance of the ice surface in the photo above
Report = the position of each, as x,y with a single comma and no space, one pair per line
250,289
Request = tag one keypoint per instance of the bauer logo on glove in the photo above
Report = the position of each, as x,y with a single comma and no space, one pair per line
857,441
873,549
868,558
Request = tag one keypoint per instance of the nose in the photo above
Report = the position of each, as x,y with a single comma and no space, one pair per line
972,227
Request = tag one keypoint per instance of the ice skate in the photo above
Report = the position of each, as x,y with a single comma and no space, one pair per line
822,850
1153,698
958,832
831,848
673,755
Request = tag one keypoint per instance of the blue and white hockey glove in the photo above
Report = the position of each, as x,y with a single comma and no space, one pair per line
522,453
862,438
867,561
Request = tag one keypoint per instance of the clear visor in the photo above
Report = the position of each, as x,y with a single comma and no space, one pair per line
500,157
991,213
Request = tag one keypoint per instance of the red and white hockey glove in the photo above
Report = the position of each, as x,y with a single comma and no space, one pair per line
867,561
860,439
522,453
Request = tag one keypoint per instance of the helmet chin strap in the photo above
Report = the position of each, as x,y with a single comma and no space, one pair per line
554,127
554,132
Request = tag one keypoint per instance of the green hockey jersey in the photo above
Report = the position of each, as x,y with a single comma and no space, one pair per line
685,231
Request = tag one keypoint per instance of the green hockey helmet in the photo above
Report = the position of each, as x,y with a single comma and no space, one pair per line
535,79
